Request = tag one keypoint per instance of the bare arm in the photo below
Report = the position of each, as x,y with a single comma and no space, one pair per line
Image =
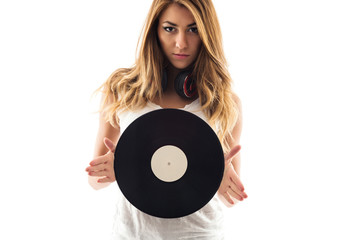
236,133
231,189
106,130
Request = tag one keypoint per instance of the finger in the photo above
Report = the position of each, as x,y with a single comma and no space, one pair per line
234,151
237,182
237,185
244,195
109,144
105,180
234,194
235,189
103,173
228,198
98,161
99,167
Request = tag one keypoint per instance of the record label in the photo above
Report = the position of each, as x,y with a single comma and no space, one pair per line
169,163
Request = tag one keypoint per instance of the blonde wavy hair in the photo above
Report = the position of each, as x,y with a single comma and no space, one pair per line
131,88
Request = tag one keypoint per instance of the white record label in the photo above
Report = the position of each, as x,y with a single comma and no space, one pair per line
169,163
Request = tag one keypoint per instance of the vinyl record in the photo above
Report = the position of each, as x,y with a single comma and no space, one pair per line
169,163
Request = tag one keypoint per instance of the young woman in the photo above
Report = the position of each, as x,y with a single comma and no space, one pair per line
178,36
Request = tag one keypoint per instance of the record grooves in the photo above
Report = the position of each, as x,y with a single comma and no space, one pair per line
169,163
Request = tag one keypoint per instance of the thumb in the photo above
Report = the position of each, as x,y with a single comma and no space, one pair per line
229,156
109,144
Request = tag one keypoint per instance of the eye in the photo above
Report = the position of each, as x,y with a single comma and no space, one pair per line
169,29
194,30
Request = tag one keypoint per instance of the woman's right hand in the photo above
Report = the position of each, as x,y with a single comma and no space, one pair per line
102,166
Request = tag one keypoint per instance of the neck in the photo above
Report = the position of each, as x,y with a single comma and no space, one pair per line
172,72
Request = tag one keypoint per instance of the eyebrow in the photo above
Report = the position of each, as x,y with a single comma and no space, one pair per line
173,24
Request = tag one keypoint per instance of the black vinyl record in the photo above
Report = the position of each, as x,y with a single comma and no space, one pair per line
169,163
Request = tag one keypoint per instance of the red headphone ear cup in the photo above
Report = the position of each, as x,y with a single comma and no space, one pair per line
185,85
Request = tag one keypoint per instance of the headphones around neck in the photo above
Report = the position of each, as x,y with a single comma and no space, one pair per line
184,84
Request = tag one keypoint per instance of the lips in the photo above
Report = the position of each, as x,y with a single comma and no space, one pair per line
180,55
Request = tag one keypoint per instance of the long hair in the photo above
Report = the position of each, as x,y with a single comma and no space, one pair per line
131,88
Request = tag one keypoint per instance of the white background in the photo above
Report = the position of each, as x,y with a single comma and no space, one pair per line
295,67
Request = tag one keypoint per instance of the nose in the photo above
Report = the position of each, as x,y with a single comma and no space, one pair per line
181,40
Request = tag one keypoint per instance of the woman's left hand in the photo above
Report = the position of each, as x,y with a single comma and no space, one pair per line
231,186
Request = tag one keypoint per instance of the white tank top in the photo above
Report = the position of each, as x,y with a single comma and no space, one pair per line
133,224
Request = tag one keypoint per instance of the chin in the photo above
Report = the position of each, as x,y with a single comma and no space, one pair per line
180,66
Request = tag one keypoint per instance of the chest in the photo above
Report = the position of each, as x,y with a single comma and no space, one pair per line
172,101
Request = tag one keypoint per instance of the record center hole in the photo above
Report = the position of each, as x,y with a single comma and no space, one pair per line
169,163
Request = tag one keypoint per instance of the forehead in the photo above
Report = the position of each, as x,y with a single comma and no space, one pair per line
177,14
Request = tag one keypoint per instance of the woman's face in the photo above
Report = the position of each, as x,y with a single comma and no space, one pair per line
178,35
